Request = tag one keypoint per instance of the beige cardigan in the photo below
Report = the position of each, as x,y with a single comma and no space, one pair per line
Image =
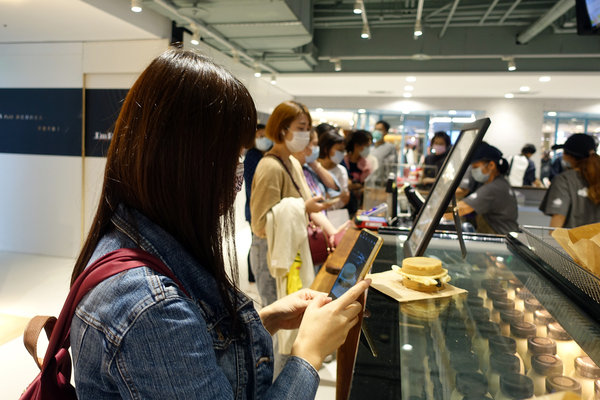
270,184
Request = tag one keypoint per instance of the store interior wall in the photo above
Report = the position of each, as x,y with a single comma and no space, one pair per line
43,209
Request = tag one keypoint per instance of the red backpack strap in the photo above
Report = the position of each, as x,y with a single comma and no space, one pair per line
103,268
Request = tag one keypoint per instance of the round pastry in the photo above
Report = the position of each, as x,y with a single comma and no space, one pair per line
423,274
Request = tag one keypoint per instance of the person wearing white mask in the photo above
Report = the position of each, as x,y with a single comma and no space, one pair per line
358,146
494,202
262,144
331,154
383,151
440,146
279,175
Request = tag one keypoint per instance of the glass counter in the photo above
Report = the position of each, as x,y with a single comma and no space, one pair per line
510,313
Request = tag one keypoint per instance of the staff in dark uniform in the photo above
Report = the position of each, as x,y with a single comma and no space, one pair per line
573,198
494,201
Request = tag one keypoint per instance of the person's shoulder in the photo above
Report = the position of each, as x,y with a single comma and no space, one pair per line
253,155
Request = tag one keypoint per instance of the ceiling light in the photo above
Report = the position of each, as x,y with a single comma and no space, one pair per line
509,95
545,78
136,6
195,40
524,89
273,80
411,79
452,112
551,113
338,65
409,88
358,7
405,111
366,32
319,110
511,64
418,29
407,95
257,71
362,111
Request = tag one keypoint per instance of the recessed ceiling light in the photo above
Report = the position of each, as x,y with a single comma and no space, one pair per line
551,113
544,78
407,95
409,88
411,79
319,109
524,89
452,112
509,95
362,111
405,111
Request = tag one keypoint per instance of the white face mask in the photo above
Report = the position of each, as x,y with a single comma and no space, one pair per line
338,157
313,155
299,141
479,176
263,143
365,152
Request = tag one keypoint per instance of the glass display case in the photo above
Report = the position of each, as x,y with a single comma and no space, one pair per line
514,334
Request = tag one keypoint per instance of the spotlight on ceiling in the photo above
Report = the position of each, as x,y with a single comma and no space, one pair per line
257,71
358,7
418,29
511,64
136,6
366,32
273,80
337,64
195,40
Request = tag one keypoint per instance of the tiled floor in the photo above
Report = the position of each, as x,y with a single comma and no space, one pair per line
37,285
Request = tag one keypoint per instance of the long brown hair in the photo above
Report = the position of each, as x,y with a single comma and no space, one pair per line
173,157
589,168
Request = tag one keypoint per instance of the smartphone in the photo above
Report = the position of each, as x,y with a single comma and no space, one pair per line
358,263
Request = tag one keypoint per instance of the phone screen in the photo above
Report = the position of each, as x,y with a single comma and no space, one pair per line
355,263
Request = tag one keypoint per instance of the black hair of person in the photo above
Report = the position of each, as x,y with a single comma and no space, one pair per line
358,138
529,148
164,156
324,127
260,126
385,125
443,135
326,141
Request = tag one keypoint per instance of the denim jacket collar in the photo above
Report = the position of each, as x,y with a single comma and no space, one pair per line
197,280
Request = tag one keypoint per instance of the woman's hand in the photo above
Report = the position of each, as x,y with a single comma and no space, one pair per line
315,204
326,324
287,312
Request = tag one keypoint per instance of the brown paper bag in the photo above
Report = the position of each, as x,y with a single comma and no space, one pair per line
583,244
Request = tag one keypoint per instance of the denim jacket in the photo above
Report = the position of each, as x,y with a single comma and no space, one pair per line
138,336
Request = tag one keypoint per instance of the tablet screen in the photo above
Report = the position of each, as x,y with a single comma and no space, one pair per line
355,263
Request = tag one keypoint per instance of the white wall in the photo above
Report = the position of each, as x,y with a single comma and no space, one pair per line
43,209
514,121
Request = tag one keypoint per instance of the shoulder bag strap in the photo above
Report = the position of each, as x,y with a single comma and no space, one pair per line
106,266
288,171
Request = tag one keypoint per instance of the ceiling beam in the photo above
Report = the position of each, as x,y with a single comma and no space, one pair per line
509,11
488,11
545,20
450,15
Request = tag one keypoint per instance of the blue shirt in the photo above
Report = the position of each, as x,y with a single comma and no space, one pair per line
137,336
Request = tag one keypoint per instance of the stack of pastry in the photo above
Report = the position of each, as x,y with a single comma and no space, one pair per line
423,274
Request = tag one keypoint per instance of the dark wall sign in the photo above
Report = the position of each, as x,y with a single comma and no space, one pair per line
40,121
102,108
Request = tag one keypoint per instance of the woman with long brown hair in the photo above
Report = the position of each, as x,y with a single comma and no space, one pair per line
171,177
573,198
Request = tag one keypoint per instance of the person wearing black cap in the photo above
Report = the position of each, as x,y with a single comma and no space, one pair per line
494,202
573,198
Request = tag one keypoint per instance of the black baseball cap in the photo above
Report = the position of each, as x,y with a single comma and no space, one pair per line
579,146
486,152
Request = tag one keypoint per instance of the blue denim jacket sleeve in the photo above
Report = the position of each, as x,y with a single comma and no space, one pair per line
192,365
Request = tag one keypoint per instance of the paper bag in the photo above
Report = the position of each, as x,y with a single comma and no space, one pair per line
582,244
